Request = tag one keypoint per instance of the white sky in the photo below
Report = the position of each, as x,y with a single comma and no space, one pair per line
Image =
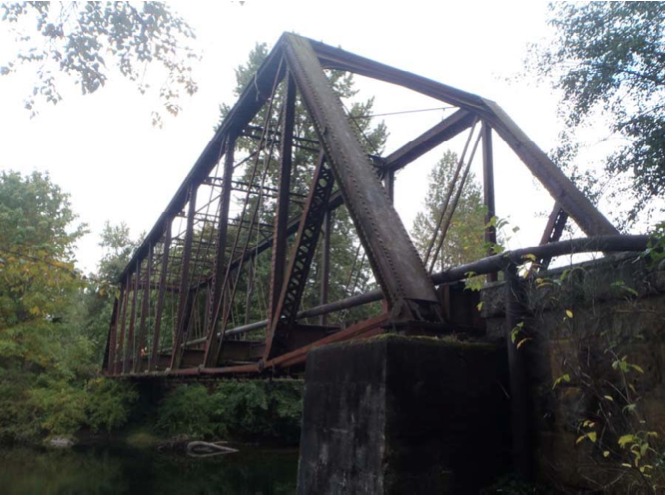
103,150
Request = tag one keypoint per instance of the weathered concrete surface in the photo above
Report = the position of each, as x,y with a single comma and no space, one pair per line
617,310
400,415
419,415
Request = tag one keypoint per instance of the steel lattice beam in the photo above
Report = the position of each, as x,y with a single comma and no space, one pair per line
291,293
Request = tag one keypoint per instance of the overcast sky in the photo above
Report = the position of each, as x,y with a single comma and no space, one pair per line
103,150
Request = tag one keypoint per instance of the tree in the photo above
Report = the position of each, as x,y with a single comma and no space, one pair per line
95,303
118,248
83,40
36,249
46,360
608,57
464,240
344,241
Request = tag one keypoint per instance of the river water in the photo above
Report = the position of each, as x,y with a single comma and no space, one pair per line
126,470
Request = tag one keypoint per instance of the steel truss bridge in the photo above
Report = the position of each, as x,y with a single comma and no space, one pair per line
177,313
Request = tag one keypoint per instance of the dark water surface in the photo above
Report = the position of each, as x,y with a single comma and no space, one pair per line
125,470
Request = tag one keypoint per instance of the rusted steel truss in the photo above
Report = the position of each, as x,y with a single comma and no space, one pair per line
192,301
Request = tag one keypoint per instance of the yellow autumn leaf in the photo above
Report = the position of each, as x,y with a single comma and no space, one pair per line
569,313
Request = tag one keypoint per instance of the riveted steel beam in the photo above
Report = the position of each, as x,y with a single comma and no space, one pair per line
110,354
219,262
145,310
579,207
393,258
303,252
279,253
164,271
184,296
125,290
129,348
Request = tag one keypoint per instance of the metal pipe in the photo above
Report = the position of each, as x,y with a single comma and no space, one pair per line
490,234
607,244
520,418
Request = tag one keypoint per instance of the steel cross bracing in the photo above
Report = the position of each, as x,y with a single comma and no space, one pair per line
201,296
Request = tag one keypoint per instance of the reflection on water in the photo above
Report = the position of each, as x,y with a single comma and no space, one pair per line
123,470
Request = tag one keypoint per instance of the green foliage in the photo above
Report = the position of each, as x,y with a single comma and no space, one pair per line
59,406
260,409
108,403
188,410
84,40
46,355
608,57
94,307
474,282
17,420
655,249
598,366
464,241
36,249
118,248
245,410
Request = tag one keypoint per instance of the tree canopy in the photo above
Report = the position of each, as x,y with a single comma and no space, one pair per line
608,57
464,240
47,357
36,248
85,40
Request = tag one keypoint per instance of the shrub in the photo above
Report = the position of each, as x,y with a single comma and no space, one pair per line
59,407
244,410
187,410
108,403
261,409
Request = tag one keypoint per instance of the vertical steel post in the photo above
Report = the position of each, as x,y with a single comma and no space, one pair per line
184,293
248,294
112,341
390,185
517,373
325,264
282,207
145,310
119,354
207,308
154,359
129,348
489,189
218,289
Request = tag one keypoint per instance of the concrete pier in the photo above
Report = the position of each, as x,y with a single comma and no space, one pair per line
404,415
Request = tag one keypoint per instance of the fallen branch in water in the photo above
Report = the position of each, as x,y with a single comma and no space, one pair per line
202,449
